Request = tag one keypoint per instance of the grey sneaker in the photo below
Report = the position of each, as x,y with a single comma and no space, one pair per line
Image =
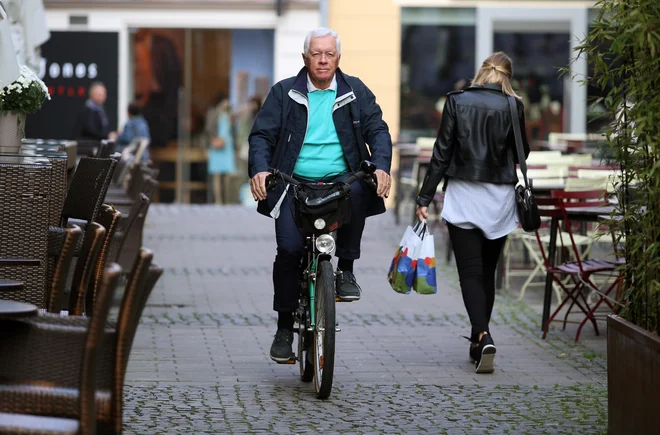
348,289
281,350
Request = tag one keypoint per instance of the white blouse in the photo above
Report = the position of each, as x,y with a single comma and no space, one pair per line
486,206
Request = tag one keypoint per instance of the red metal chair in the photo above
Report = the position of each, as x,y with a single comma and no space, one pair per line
580,271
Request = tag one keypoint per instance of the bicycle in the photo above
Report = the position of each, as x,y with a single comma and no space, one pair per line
320,210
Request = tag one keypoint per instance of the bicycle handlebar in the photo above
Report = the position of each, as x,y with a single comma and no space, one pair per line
360,175
276,173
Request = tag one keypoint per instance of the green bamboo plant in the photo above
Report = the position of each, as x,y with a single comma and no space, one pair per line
623,48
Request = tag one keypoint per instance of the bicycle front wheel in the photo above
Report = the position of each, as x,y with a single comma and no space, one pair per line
324,334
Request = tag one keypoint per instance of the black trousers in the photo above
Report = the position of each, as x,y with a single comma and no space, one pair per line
476,260
291,242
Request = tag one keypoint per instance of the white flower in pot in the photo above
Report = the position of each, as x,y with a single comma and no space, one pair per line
17,100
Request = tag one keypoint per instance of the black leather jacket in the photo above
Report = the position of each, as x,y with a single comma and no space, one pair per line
475,141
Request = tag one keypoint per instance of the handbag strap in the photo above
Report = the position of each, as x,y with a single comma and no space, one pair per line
513,108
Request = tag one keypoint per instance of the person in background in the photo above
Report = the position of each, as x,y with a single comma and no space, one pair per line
244,121
92,122
222,160
475,153
135,128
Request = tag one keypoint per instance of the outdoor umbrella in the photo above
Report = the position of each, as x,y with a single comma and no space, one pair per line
29,30
8,62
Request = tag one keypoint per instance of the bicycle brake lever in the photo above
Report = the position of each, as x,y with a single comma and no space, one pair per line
270,182
371,182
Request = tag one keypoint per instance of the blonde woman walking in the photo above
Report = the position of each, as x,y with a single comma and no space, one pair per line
475,154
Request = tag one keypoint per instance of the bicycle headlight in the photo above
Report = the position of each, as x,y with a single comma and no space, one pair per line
319,224
325,243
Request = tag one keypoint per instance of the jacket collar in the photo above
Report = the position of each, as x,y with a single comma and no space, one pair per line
489,86
300,83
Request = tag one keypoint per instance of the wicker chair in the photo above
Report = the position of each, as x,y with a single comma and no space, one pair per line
138,183
130,159
106,149
149,189
85,268
109,218
61,269
131,241
88,188
45,386
128,238
35,337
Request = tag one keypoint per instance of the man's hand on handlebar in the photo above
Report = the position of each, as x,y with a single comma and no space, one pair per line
258,186
384,181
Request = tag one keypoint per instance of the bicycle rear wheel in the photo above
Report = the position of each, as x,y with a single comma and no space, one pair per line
324,334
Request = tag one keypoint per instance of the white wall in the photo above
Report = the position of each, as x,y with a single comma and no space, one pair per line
289,40
290,31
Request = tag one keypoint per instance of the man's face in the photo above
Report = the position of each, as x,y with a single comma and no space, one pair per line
98,94
322,59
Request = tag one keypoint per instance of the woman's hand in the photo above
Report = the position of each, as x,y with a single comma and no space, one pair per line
217,143
422,213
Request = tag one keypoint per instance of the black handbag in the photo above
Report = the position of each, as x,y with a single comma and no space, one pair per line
528,211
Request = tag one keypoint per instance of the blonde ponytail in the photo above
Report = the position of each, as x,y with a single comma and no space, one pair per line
497,69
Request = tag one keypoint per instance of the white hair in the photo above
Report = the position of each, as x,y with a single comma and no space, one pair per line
320,33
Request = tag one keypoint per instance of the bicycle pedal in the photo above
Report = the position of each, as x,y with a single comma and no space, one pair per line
291,361
338,299
337,328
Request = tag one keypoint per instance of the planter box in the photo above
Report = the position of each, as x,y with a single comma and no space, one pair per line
633,378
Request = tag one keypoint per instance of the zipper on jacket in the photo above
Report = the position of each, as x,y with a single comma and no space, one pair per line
306,127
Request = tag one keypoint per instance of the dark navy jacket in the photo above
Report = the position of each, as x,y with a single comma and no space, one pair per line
280,127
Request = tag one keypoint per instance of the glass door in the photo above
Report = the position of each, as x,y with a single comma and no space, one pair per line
190,85
540,41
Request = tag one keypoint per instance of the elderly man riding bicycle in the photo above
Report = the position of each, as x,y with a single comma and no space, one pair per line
315,127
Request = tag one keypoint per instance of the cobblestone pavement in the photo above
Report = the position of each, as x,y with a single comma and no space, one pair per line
200,360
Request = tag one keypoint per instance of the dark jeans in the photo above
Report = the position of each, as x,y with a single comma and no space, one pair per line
291,242
476,260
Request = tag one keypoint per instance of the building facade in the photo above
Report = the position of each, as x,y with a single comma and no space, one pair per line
412,52
279,28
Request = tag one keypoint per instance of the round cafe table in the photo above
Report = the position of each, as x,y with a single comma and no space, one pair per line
13,309
10,285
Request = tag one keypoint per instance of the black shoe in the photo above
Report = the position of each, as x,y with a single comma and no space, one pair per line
281,350
474,346
484,354
347,287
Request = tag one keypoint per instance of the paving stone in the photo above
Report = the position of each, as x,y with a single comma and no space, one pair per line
200,361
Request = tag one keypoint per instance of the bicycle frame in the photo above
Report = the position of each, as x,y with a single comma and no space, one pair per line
309,276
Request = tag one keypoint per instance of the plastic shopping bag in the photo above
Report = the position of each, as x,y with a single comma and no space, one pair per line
425,279
402,269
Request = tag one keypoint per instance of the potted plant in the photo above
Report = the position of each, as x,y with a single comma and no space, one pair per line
17,100
623,48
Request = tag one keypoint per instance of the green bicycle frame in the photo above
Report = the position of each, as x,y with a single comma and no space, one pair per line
312,297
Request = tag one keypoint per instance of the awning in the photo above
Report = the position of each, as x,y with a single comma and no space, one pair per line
29,30
9,71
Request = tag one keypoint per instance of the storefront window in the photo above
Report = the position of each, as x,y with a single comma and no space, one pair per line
437,57
598,119
537,59
199,90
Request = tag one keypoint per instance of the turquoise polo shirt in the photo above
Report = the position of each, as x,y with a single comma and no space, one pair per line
321,156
